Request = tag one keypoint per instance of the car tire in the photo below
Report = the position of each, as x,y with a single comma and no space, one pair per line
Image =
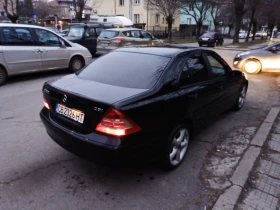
3,76
241,98
177,147
252,66
76,64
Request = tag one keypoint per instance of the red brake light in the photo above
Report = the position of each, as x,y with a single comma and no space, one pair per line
117,124
117,40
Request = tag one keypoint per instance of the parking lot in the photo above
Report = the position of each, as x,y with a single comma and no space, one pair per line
36,173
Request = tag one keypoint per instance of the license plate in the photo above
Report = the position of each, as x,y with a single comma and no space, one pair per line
104,45
205,39
73,114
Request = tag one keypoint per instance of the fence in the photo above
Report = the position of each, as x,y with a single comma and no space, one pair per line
162,32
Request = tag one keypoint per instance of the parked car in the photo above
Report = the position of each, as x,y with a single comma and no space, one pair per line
211,39
243,34
261,34
114,38
140,103
254,61
86,34
28,49
275,38
56,31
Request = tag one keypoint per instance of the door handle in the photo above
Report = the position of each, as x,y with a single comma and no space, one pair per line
193,95
36,51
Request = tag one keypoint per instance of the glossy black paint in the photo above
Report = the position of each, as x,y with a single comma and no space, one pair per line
268,56
156,110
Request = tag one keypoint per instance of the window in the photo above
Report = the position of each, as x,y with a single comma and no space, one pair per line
47,38
108,34
18,36
136,18
189,21
191,7
195,70
90,32
157,19
121,2
146,35
135,34
136,2
217,68
98,31
146,70
76,32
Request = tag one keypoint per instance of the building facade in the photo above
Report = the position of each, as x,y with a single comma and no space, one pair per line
135,10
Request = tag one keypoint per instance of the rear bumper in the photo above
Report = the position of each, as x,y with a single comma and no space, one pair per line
89,146
208,42
105,50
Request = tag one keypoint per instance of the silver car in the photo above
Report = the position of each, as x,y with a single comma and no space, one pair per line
114,38
28,49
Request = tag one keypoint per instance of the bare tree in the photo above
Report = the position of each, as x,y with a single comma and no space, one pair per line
25,8
239,11
11,8
216,11
78,8
198,9
168,8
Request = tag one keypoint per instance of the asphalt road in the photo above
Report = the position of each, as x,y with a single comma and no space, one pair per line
36,173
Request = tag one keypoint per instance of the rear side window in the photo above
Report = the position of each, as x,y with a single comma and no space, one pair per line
18,36
195,70
98,31
124,69
109,34
90,32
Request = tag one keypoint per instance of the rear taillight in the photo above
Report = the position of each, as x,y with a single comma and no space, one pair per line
117,40
117,124
46,104
212,38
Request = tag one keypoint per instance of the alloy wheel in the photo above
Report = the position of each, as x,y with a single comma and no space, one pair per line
242,96
77,64
179,147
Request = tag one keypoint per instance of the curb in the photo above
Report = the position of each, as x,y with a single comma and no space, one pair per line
227,200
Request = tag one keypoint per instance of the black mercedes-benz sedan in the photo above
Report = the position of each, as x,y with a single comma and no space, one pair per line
140,102
266,59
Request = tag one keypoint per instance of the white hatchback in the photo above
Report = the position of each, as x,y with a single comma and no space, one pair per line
27,49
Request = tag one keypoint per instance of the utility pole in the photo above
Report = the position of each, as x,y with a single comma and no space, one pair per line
148,15
130,10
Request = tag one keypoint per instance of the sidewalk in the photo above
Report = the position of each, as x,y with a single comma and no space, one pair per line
255,183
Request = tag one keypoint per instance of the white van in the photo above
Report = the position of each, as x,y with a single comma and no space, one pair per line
28,49
116,20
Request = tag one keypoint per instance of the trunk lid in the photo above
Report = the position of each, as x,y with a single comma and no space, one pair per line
91,98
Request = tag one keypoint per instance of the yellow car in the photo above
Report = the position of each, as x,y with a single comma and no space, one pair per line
275,38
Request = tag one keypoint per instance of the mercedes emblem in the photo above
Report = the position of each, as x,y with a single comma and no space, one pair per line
64,99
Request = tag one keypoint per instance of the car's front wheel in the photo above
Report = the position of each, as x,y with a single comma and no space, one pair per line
177,147
252,66
3,76
76,64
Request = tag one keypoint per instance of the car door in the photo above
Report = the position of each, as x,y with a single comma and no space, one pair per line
53,54
197,90
272,58
90,39
221,76
20,50
128,38
146,39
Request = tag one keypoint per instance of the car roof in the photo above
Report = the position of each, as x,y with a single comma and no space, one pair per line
123,29
19,25
159,51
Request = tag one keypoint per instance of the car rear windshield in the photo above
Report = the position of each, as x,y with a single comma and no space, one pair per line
208,34
108,34
125,69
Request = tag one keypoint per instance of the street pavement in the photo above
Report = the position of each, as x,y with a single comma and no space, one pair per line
36,173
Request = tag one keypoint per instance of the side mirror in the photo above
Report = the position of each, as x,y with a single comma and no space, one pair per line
236,73
62,44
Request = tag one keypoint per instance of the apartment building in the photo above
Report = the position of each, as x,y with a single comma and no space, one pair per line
136,11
